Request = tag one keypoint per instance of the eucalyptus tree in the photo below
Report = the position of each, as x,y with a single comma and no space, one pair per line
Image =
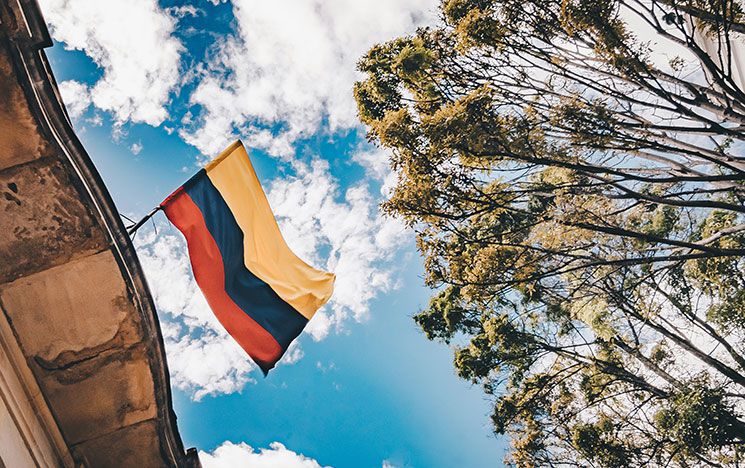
574,173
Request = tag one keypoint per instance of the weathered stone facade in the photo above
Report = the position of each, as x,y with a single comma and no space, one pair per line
83,376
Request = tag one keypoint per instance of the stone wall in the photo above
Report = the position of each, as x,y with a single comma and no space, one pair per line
72,292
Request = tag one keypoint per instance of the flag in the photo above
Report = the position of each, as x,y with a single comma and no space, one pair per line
260,291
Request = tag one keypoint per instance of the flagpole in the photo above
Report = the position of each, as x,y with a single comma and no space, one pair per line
139,223
131,230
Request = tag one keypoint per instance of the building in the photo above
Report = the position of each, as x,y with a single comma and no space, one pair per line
83,374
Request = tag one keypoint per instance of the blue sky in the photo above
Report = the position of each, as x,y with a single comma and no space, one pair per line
155,90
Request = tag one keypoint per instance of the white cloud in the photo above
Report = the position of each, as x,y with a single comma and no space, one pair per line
292,64
135,148
96,120
377,165
375,161
202,358
184,11
133,42
210,363
76,96
325,368
230,455
389,464
293,354
358,243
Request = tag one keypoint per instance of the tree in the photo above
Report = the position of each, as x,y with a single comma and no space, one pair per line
578,201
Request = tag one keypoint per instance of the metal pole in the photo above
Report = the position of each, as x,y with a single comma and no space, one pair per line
139,223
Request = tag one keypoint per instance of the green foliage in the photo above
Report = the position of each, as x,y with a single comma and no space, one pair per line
699,418
722,274
592,123
599,443
446,316
596,314
579,208
457,10
730,312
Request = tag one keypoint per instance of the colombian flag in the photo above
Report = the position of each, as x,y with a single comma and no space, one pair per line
260,291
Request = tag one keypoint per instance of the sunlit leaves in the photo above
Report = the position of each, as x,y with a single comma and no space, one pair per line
577,226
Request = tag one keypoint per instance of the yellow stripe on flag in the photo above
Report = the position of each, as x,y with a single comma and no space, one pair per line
265,251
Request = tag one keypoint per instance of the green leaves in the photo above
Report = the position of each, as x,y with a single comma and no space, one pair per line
579,16
698,418
579,208
381,91
600,443
457,10
413,59
446,316
591,124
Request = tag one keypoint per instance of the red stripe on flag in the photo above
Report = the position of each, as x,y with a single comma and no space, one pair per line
209,272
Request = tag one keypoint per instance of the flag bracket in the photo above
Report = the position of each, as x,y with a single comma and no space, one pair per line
133,229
